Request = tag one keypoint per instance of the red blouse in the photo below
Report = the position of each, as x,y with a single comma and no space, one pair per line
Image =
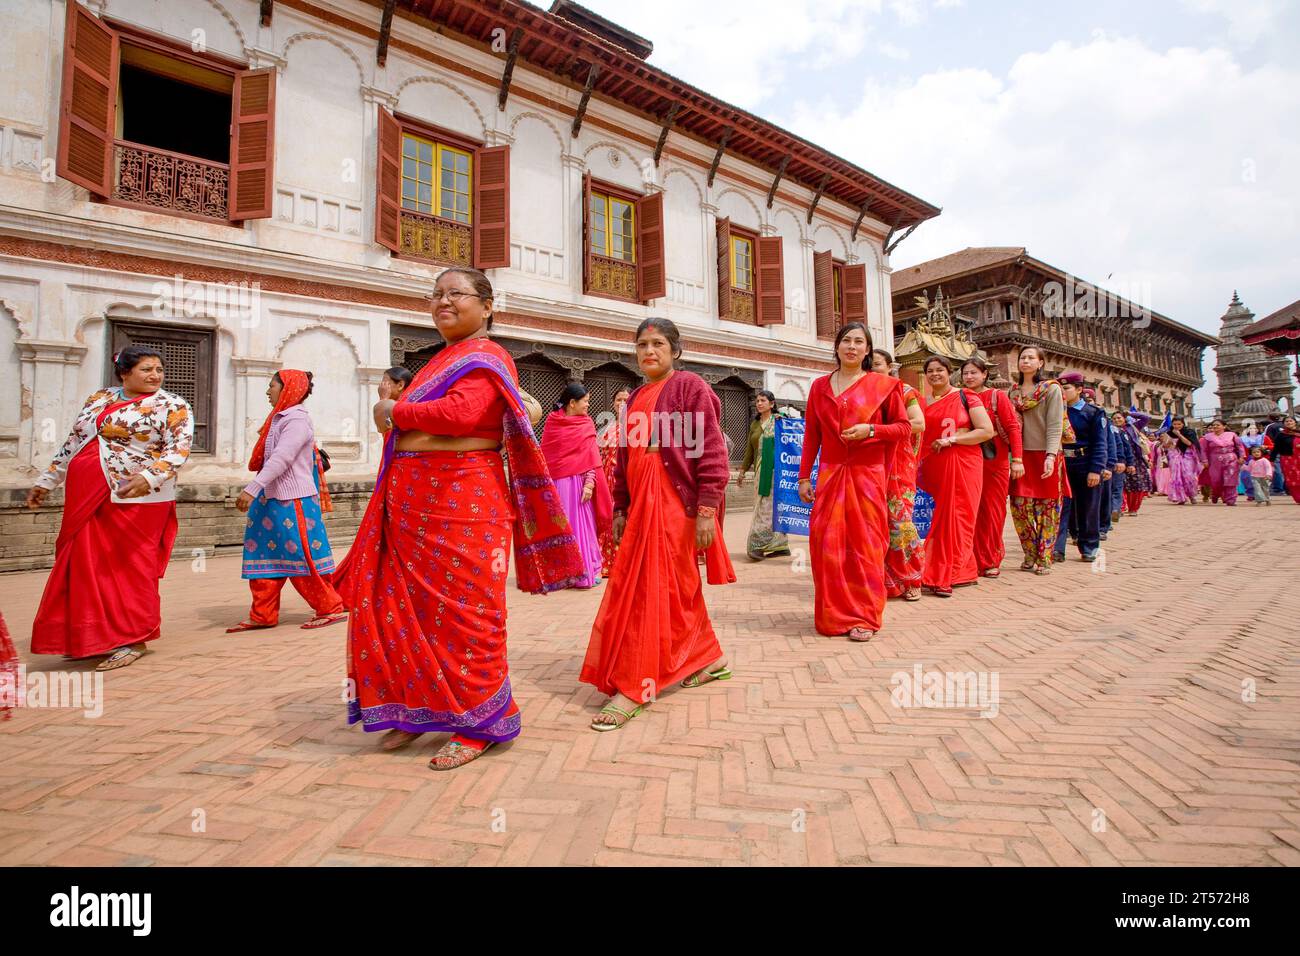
828,414
472,408
1004,413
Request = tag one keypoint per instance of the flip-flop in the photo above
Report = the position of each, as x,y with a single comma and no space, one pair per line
702,677
247,626
325,620
615,712
122,657
992,573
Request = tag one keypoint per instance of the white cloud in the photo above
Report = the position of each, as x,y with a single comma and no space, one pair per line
1172,170
746,52
1248,20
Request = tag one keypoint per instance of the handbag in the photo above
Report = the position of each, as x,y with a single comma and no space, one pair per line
324,459
989,449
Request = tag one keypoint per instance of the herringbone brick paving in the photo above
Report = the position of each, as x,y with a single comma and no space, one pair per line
1123,735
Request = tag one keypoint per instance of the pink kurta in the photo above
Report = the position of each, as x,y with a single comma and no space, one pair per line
1223,455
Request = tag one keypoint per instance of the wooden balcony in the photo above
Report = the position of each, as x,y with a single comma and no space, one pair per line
612,277
435,239
150,178
742,306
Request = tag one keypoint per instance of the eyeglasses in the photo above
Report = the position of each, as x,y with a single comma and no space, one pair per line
454,296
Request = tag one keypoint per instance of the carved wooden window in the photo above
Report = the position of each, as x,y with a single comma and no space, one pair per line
188,357
839,293
147,122
613,226
742,263
623,243
751,276
440,197
436,178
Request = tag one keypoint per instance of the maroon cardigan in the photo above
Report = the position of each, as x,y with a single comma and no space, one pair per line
701,481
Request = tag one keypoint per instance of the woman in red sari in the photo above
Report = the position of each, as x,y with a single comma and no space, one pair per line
855,420
119,516
992,517
426,577
653,626
905,559
608,441
952,471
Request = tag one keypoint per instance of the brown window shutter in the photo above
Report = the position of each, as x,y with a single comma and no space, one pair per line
492,207
855,294
651,280
88,109
252,145
771,282
586,231
824,293
724,268
388,183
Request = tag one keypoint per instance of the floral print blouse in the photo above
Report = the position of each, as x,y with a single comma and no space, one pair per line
149,437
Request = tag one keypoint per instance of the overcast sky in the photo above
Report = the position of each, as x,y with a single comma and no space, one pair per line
1150,146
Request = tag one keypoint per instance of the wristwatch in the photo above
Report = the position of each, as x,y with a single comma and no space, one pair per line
872,433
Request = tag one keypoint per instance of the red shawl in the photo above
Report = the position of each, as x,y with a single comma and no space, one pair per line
294,390
546,553
569,447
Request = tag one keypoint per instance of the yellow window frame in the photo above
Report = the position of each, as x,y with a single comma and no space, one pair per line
606,247
742,276
439,150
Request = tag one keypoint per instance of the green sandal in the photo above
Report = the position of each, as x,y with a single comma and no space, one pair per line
615,712
702,677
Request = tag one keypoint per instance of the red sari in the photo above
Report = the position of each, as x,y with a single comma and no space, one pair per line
992,516
848,535
102,593
905,559
607,442
653,627
426,577
954,478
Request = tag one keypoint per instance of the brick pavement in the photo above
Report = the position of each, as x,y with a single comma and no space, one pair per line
1121,734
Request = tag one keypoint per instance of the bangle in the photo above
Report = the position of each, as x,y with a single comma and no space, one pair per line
706,511
1016,461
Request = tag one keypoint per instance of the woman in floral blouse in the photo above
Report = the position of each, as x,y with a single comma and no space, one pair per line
119,516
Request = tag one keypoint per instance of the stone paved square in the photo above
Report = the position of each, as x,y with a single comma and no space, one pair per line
1148,713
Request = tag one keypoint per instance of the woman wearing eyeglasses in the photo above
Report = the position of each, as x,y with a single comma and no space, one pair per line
426,576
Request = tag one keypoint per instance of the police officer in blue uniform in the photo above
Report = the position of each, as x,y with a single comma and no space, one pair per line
1128,458
1085,460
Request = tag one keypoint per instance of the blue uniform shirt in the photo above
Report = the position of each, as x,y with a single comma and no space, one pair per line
1090,432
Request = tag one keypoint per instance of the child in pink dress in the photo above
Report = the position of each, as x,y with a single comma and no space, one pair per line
1261,474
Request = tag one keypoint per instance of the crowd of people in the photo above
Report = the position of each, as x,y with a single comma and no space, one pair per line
636,507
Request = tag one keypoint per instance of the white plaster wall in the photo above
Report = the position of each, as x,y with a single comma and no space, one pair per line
537,203
319,121
205,24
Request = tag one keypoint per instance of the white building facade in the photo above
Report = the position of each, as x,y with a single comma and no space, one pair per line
254,186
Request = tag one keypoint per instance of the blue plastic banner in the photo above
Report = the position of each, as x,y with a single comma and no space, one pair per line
789,514
922,513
